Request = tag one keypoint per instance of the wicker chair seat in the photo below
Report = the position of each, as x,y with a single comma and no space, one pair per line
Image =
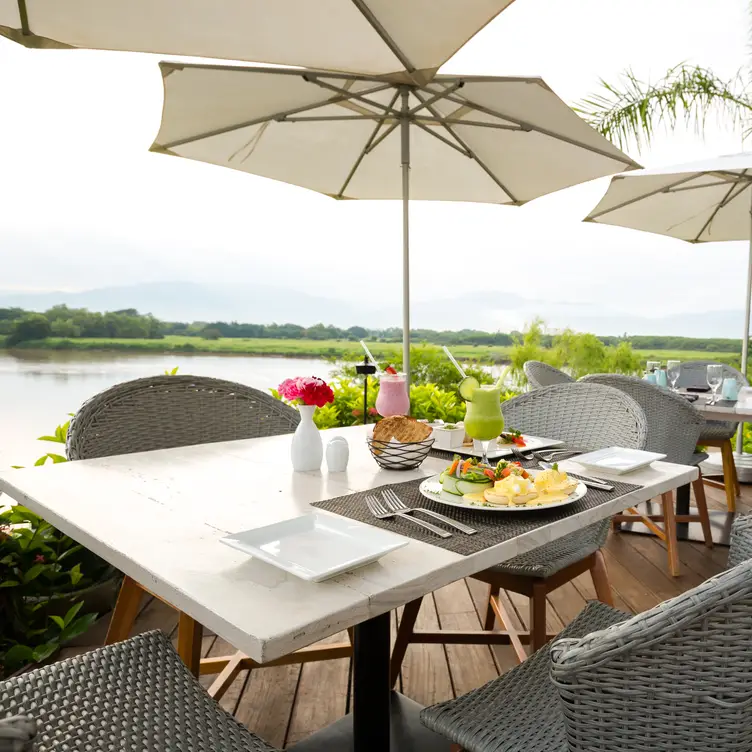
519,711
717,430
134,696
552,557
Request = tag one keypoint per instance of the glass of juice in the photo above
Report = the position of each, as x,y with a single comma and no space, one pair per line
392,398
483,419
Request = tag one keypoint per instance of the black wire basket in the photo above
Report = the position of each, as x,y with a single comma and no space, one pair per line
393,455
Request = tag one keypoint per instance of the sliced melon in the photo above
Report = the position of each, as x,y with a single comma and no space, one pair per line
467,388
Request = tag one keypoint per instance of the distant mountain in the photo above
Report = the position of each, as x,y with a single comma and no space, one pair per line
189,301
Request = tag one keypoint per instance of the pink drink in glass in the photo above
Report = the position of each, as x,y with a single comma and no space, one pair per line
392,398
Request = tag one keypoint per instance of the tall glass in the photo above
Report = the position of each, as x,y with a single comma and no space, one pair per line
715,379
673,370
392,398
653,365
483,419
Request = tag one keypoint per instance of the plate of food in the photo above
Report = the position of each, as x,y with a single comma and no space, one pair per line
503,445
504,487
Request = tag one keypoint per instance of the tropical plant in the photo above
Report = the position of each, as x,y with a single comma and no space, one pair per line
628,111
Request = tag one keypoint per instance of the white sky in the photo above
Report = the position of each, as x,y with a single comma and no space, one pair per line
84,204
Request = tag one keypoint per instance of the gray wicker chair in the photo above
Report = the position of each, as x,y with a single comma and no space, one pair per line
717,433
677,677
541,374
171,411
674,427
586,416
134,696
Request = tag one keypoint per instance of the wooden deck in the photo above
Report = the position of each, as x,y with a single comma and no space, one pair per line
285,704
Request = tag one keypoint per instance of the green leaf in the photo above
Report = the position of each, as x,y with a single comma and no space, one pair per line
57,458
59,621
76,575
72,612
41,461
17,467
78,627
18,655
47,438
9,583
43,652
33,573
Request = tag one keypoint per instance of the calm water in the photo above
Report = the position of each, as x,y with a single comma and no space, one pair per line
38,389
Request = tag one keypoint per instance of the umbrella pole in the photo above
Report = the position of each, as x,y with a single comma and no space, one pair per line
405,133
745,341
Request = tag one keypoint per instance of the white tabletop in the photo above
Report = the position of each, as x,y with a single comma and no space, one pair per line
730,411
158,516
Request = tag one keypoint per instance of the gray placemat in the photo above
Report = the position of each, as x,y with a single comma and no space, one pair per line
493,527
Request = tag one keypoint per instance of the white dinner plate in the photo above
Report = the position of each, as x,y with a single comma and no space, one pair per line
316,546
532,443
617,460
431,489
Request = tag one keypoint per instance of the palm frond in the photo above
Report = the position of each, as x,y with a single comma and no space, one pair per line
630,111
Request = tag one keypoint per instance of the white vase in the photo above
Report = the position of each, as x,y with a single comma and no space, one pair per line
307,449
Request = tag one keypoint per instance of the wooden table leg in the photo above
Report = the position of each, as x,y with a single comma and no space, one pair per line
125,612
669,527
190,633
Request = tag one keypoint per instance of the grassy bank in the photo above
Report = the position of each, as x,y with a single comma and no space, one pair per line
327,348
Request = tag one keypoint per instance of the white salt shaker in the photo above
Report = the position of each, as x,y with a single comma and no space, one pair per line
337,454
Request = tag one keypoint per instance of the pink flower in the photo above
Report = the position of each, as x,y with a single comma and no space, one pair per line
356,413
373,411
306,390
290,389
39,559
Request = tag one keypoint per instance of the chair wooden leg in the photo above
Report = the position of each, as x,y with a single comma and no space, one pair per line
493,592
227,676
404,633
669,527
599,573
125,611
537,626
455,748
190,633
702,509
729,473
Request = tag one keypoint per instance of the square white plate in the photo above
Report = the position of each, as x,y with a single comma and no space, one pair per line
617,459
316,546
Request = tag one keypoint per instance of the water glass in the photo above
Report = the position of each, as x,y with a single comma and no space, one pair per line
715,379
673,370
653,366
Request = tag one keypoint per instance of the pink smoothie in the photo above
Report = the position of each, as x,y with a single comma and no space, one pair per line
392,398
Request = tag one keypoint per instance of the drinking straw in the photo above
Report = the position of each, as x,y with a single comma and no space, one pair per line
368,354
459,368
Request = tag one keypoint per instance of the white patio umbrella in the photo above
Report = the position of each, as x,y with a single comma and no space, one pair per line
364,36
701,202
468,138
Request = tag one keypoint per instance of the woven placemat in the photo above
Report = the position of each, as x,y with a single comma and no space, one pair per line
493,527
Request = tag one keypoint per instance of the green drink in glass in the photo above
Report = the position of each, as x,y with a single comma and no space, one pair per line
483,419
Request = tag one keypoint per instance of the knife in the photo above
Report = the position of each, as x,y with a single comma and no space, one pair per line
586,479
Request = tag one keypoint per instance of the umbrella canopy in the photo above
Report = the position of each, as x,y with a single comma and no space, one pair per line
470,138
364,36
701,202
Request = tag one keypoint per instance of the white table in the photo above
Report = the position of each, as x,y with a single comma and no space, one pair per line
738,411
158,516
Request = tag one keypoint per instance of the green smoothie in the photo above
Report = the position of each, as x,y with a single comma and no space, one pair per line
483,419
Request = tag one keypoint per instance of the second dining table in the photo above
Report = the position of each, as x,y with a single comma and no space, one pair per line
159,516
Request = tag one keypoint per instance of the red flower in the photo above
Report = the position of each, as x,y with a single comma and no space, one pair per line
373,411
39,559
357,413
306,390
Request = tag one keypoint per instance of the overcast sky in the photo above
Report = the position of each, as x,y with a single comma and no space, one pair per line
84,204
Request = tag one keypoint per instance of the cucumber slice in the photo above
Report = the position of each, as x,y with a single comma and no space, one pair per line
449,484
468,487
467,388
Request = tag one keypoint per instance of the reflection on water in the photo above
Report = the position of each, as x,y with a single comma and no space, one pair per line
38,388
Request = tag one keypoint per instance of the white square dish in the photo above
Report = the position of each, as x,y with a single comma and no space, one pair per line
316,546
617,460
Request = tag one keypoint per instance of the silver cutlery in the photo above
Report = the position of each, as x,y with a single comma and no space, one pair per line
551,453
379,511
397,505
589,481
520,455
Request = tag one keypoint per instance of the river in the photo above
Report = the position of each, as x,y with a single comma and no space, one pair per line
39,388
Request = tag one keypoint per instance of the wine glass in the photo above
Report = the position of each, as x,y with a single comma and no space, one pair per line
715,379
673,370
653,366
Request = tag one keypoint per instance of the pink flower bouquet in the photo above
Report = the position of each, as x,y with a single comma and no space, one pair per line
306,390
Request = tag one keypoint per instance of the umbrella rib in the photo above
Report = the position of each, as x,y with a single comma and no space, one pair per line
384,34
477,123
725,201
469,151
352,95
551,134
384,135
366,148
642,197
266,118
436,97
24,17
700,187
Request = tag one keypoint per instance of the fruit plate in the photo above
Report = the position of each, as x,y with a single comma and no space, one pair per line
431,489
497,451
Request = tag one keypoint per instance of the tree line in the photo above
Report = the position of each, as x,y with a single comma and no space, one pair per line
18,325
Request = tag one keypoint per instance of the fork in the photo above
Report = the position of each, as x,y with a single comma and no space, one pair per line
379,511
520,455
397,505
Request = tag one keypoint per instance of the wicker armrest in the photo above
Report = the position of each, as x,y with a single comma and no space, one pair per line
17,734
741,540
